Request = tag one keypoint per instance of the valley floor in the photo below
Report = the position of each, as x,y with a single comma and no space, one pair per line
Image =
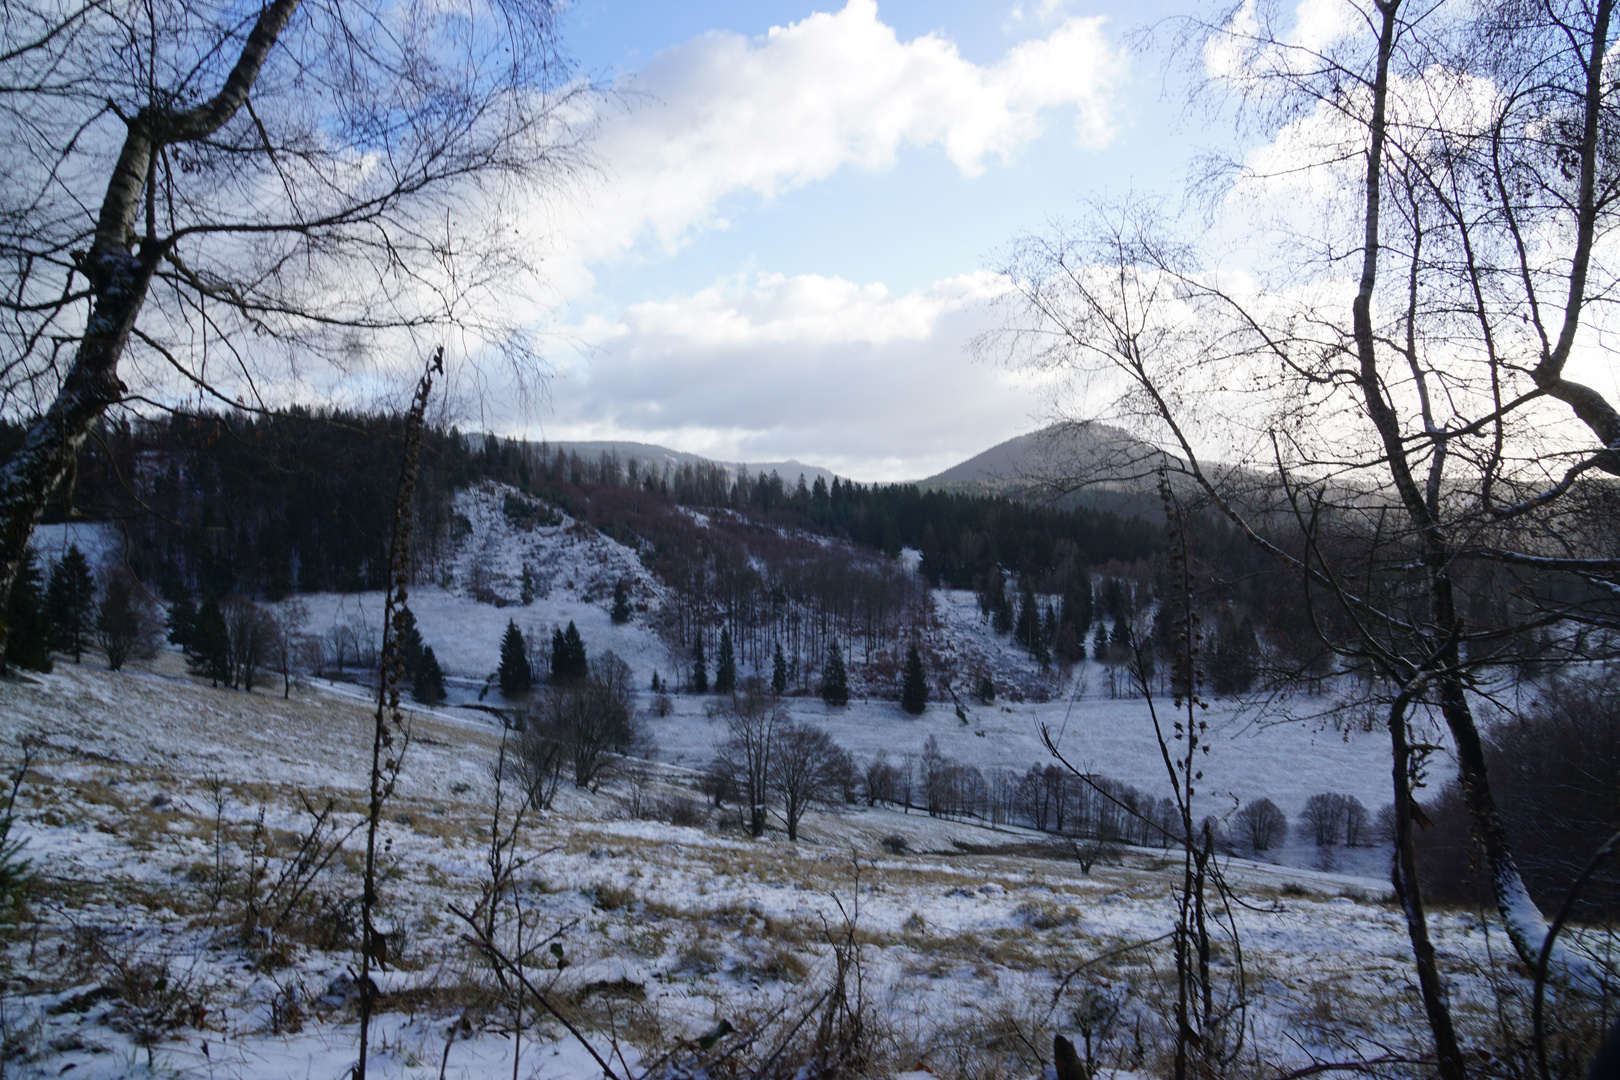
158,809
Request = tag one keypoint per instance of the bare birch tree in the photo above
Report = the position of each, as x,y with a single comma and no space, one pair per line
235,201
1389,389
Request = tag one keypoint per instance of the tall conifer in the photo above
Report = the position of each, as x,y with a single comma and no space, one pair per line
725,665
70,598
28,637
914,683
211,645
515,676
779,677
700,667
834,679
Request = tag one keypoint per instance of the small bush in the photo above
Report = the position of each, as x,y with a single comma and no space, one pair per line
613,897
1260,824
896,845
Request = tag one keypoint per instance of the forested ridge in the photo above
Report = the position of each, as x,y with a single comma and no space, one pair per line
296,501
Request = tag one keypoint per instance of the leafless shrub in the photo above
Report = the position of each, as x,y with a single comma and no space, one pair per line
156,995
742,765
1322,820
806,767
579,727
1260,824
251,630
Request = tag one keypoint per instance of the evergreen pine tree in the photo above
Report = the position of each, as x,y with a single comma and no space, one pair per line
1099,643
700,667
725,665
408,639
182,618
914,683
621,602
1076,610
428,684
1031,634
578,667
70,597
211,645
1232,665
559,657
28,637
1001,612
526,586
987,689
515,676
834,679
779,672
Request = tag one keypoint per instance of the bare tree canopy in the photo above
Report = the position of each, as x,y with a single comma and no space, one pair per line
242,201
1386,382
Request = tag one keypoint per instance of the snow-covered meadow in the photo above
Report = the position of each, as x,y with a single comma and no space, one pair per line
159,810
152,788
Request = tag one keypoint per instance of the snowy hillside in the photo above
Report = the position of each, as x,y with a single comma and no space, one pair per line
574,570
154,797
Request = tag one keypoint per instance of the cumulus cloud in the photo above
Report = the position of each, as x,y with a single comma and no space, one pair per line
724,114
850,376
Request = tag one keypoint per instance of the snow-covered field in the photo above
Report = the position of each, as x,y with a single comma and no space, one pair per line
159,811
667,928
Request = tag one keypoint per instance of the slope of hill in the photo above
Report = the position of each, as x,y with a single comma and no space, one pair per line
156,803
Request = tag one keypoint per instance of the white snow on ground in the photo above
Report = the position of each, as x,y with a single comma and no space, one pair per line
667,928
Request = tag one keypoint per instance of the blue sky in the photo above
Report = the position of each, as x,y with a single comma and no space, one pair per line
789,242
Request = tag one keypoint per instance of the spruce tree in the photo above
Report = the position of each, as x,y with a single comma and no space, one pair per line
914,683
526,586
70,597
408,639
987,689
1099,643
725,666
779,674
621,603
700,667
834,679
1232,665
559,657
28,637
428,684
577,666
515,676
1001,612
182,618
211,645
1077,608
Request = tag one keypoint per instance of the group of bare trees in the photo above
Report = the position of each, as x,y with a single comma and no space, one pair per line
768,760
577,728
1411,443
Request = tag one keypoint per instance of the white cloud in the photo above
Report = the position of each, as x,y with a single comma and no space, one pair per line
849,376
1044,12
724,114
